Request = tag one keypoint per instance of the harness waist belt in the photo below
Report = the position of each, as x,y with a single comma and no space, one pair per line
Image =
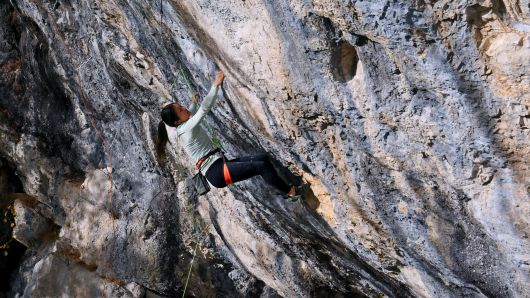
204,158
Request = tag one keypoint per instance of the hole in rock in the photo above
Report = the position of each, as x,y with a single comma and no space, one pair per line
11,251
344,60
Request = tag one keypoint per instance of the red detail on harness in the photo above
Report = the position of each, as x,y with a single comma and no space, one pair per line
226,173
204,158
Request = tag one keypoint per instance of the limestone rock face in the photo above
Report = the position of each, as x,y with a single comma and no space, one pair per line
409,119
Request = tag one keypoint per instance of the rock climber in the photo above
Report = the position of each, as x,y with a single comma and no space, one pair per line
219,171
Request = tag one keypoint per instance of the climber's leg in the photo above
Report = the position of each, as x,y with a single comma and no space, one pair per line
244,168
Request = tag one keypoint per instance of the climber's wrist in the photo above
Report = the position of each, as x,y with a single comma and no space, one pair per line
219,78
195,98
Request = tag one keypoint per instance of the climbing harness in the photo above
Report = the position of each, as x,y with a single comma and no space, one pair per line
199,180
204,158
226,172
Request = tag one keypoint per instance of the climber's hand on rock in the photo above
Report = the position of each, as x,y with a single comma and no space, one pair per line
195,98
219,78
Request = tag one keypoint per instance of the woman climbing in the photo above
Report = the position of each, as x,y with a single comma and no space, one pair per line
219,171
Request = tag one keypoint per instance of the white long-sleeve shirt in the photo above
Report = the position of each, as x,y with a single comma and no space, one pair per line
193,137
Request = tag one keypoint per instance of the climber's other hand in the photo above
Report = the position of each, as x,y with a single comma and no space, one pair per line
219,78
195,98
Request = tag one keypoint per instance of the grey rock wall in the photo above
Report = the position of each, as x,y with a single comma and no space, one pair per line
409,119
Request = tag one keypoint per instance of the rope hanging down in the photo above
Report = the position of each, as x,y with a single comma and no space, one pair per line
194,218
217,143
190,208
198,237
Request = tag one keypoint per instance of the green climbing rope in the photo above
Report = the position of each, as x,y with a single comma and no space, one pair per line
198,237
191,266
217,143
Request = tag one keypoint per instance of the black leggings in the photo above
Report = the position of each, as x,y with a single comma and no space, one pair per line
245,167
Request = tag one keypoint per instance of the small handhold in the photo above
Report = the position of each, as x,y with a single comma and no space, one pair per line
486,175
522,122
141,65
487,71
473,173
497,113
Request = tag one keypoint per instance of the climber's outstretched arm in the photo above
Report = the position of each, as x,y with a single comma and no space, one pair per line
206,104
209,100
194,103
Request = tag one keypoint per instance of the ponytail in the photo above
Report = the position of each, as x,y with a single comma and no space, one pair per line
168,118
161,139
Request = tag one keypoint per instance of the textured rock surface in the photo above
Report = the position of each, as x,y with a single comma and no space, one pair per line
410,120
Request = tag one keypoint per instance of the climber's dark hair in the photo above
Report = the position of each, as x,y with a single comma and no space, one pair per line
169,118
168,115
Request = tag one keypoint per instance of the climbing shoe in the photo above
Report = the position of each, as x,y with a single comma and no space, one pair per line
301,190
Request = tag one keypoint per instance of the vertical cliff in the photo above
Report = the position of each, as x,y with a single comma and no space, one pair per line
409,119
